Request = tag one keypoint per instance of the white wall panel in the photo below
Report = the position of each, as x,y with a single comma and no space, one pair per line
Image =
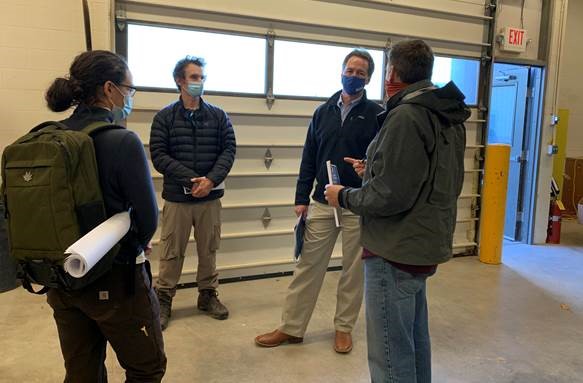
246,256
252,159
254,130
252,222
154,101
252,190
340,16
471,8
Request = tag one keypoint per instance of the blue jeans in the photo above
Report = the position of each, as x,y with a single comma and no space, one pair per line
399,349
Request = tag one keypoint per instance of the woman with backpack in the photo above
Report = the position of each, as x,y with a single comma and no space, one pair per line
120,306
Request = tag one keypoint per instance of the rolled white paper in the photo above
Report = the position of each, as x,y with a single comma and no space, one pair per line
90,248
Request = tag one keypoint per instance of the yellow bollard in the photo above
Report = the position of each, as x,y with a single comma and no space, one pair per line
494,203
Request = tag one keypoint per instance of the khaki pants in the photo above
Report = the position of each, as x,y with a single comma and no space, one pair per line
177,221
320,237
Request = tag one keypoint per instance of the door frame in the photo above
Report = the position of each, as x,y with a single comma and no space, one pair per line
533,142
531,145
517,78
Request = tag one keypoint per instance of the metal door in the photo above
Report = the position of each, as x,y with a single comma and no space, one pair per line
507,125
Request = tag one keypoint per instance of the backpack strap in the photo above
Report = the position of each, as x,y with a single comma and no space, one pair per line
131,262
43,125
25,274
38,130
99,126
92,130
28,286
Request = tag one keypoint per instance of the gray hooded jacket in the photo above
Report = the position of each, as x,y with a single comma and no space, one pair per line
414,175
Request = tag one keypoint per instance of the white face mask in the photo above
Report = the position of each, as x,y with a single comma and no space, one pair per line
122,113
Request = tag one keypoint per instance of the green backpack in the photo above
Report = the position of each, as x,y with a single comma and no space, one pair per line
50,187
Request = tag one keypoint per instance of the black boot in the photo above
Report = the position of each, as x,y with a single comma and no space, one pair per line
208,301
165,299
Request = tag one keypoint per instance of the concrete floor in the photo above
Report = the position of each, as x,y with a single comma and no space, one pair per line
519,322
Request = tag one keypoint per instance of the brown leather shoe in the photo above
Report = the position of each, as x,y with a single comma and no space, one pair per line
343,342
275,338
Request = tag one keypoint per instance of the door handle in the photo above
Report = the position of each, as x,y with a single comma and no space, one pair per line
520,157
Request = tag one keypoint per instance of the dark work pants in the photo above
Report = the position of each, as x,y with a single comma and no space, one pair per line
105,312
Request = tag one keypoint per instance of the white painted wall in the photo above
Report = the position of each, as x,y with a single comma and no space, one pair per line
509,12
571,79
550,107
38,41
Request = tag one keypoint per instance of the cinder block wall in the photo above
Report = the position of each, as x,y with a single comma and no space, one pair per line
38,40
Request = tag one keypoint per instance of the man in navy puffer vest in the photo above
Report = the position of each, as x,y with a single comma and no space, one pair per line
192,143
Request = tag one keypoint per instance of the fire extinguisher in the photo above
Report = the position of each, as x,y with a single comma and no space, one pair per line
554,228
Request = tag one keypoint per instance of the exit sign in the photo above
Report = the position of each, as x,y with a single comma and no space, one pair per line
513,39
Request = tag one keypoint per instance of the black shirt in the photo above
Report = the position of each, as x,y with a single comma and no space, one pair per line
124,176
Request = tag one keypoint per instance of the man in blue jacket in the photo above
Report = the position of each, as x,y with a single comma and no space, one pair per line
341,127
192,143
408,203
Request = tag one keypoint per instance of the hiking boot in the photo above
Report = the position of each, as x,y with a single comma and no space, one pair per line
165,300
208,301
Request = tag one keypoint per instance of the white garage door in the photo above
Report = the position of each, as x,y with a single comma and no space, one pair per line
256,54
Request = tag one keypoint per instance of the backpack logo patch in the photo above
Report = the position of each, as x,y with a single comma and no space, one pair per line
27,177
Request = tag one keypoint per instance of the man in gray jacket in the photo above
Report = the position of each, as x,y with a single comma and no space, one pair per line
407,203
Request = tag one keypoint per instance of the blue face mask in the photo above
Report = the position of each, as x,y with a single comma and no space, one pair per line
120,114
353,84
195,89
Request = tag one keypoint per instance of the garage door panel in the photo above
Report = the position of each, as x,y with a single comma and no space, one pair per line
262,159
258,204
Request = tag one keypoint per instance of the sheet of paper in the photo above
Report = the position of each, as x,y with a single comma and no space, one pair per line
90,248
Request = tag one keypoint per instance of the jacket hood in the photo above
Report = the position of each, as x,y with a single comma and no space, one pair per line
446,102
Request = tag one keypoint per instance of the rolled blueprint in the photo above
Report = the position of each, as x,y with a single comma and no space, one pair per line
90,248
